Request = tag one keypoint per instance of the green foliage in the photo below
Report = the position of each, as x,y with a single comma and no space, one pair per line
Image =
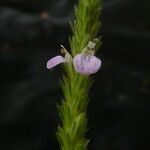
86,25
71,132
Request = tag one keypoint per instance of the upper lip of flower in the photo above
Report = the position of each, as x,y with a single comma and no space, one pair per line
59,59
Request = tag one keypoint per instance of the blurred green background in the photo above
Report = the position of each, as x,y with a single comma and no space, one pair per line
31,32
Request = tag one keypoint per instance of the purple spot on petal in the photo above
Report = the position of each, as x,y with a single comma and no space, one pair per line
55,61
86,64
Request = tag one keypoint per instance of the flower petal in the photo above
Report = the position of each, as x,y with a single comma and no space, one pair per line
55,61
86,64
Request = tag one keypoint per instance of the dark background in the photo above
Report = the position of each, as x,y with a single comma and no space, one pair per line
31,32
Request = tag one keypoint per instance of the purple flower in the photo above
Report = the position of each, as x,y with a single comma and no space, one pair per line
59,59
86,64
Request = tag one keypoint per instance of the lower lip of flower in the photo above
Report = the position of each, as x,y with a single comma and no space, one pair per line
86,64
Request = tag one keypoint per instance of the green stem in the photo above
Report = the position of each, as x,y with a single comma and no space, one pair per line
71,133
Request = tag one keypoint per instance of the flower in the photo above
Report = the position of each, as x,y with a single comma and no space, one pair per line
86,63
59,59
